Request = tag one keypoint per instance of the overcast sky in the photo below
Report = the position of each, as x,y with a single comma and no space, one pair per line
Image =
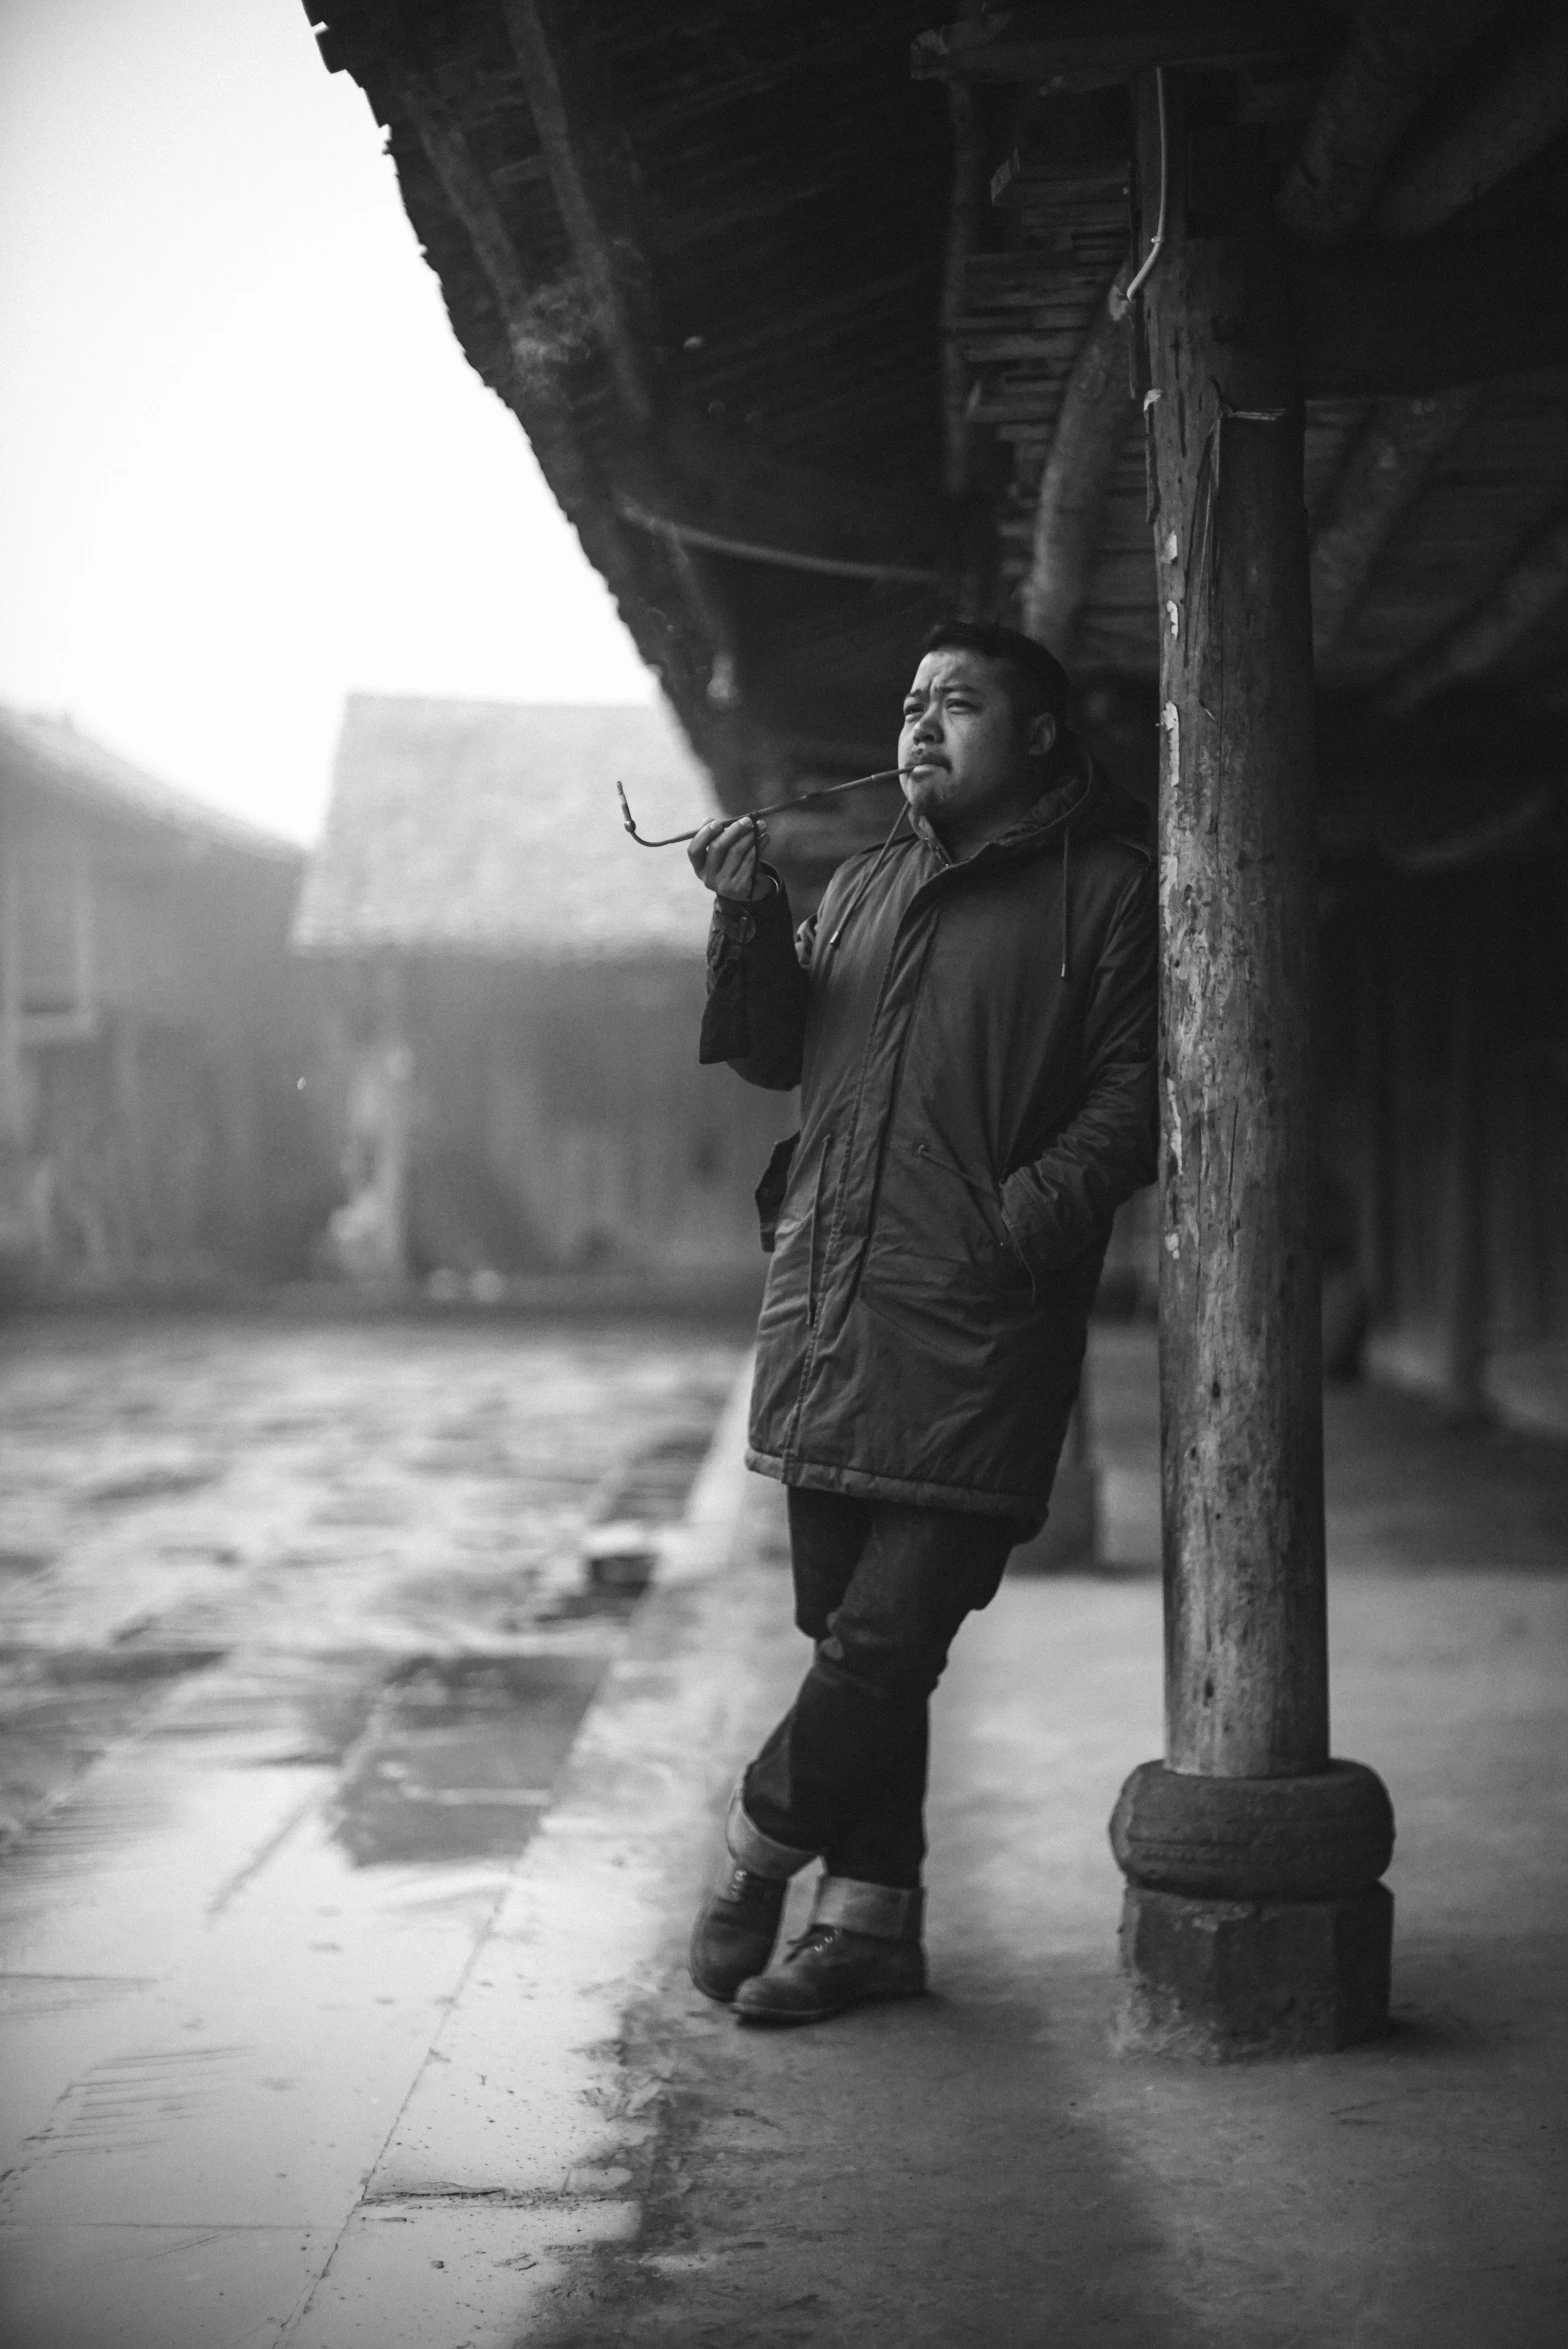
244,468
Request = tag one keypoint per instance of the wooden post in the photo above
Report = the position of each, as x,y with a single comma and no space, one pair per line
1468,1312
1380,1080
1247,1674
1240,1338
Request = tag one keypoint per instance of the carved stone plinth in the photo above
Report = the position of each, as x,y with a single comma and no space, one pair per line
1225,1979
1254,1922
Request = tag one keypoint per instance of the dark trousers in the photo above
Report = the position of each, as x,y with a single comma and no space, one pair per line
882,1589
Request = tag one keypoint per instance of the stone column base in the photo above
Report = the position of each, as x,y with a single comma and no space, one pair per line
1224,1979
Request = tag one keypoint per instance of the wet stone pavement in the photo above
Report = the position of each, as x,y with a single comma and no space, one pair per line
295,1632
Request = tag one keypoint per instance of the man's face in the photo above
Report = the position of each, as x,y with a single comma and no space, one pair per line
966,760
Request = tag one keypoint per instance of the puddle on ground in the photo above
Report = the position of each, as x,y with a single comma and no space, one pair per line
149,1484
24,1562
461,1757
655,1484
296,1641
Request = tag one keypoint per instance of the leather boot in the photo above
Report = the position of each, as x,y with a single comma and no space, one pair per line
736,1928
738,1923
838,1964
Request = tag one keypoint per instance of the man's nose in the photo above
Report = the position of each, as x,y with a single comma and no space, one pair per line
926,728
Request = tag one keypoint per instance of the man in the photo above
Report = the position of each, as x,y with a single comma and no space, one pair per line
971,1021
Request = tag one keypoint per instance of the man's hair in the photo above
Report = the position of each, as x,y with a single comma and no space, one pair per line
1036,680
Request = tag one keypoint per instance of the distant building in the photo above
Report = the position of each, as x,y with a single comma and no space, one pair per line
515,992
153,1030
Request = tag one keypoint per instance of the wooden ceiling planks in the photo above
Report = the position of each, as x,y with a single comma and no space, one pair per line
780,249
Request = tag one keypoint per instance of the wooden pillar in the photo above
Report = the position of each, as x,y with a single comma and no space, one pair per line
1468,1303
1379,1093
1246,1782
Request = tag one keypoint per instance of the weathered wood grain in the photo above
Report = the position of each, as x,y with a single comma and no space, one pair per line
1382,477
1396,55
1535,580
1095,412
1524,107
1246,1685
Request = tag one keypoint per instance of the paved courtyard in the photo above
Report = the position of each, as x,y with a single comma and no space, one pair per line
320,1512
313,1601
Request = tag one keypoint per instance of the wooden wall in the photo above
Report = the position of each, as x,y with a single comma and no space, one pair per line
155,1031
550,1119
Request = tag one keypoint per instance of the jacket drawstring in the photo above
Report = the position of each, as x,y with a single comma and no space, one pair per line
854,903
1066,878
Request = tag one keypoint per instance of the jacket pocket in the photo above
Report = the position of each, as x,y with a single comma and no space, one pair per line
816,1262
769,1193
984,1193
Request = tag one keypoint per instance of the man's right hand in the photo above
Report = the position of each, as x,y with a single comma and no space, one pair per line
723,855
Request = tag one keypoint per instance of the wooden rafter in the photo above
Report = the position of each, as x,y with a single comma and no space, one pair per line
778,558
1395,57
963,220
1095,411
1536,579
678,623
1524,108
536,351
537,42
1087,44
1382,475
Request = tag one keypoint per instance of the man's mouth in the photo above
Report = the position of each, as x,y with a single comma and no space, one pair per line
923,761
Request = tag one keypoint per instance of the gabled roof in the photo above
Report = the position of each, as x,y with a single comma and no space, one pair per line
48,756
492,828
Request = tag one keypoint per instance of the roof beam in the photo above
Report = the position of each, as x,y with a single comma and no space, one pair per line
964,213
1395,57
1535,580
1088,44
1387,464
471,200
1096,409
560,114
779,558
1524,108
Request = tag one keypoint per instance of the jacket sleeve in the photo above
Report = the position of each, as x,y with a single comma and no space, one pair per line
1061,1204
755,1015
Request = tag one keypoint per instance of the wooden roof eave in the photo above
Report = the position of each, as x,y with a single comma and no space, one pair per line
655,489
689,520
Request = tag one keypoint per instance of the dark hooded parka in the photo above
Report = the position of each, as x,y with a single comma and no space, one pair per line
974,1043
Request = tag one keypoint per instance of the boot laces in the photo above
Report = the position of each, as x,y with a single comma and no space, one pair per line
747,1888
814,1937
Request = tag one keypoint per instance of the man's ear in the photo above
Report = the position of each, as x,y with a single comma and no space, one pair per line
1042,735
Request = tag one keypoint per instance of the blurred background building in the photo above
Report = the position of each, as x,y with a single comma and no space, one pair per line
511,993
153,1029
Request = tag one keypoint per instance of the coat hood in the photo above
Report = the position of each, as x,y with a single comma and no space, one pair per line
1081,800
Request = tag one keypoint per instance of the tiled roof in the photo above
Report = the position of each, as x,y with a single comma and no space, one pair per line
493,828
48,755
